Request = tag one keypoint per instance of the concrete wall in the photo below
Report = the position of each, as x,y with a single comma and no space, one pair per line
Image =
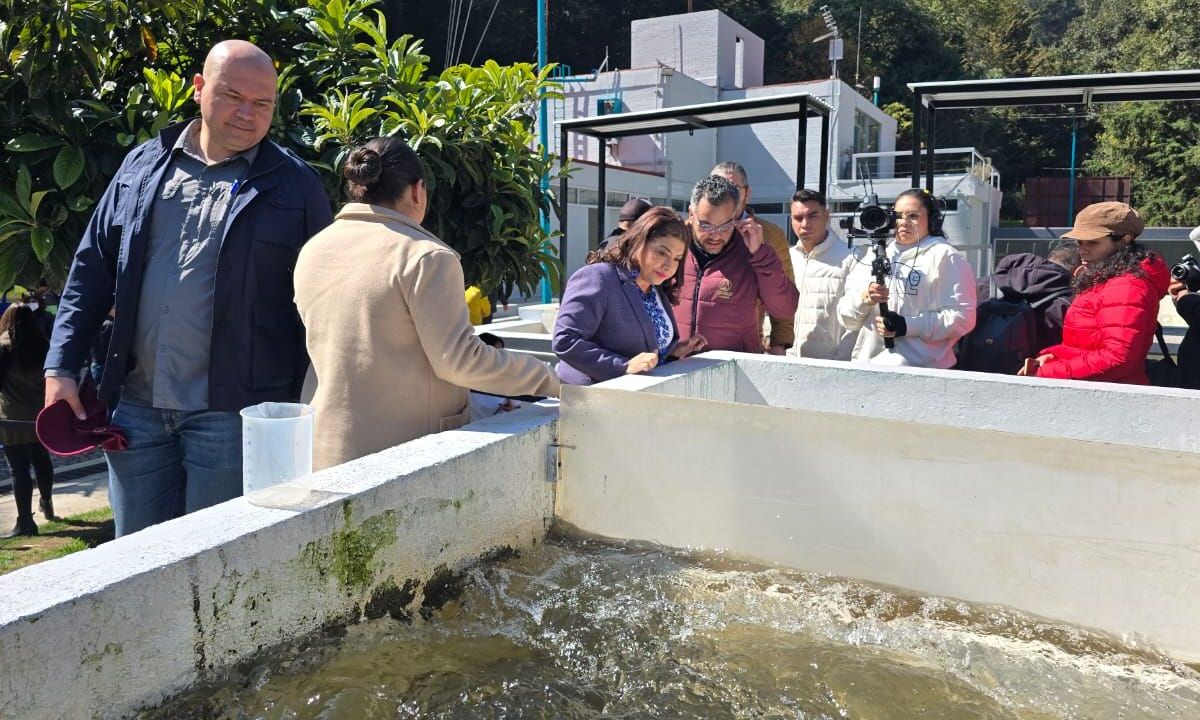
689,43
637,89
740,54
769,149
104,632
702,44
1073,501
688,156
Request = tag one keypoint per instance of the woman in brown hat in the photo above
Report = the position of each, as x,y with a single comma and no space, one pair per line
1108,329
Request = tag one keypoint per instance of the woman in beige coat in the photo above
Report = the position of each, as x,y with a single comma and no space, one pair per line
381,299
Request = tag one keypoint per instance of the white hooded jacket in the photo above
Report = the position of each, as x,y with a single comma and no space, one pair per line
932,286
821,280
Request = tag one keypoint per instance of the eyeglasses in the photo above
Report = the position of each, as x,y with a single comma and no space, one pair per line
709,228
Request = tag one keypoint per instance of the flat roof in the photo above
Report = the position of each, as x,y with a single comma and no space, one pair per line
1061,90
699,117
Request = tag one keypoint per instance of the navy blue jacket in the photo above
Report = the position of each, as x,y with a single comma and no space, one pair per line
257,349
601,324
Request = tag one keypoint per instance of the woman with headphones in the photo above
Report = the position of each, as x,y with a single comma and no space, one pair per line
930,293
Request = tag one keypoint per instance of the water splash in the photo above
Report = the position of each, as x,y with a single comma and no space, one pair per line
579,629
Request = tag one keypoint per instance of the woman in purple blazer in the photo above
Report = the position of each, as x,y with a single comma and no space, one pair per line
615,318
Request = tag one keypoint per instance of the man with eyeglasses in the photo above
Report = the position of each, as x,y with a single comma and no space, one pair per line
783,333
728,272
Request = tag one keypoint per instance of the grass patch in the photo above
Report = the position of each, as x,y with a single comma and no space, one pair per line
57,538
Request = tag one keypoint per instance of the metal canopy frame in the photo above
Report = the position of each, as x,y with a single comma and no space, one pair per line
798,106
1081,90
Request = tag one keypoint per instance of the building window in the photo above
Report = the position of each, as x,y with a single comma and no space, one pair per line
866,140
608,106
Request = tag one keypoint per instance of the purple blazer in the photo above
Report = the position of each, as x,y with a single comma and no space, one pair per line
602,324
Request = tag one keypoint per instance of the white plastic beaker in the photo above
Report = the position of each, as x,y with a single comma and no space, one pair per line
277,440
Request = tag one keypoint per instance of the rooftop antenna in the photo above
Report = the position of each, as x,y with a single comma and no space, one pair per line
857,47
835,40
866,169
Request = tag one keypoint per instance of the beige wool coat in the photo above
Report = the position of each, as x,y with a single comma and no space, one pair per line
387,331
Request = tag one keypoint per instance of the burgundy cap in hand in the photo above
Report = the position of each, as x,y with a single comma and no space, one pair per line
64,434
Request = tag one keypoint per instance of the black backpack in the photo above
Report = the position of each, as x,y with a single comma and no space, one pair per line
1005,334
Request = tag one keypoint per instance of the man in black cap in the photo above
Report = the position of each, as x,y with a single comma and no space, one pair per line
633,209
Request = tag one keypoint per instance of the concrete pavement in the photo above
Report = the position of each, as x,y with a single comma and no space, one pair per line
80,485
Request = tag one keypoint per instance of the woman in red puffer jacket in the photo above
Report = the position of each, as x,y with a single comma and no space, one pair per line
1108,329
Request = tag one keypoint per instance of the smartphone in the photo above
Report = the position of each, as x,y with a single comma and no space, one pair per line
1031,367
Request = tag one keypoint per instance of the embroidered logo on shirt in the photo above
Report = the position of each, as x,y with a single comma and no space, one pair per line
724,290
910,278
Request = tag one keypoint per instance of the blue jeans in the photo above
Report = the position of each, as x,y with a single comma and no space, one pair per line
177,462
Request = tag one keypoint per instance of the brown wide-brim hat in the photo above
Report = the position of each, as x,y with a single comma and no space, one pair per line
1104,219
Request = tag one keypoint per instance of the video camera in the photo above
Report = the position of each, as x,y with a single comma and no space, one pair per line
1187,271
874,222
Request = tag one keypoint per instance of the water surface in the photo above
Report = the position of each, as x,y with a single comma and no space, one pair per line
578,629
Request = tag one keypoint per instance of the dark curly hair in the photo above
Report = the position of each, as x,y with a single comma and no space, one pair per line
1125,261
624,248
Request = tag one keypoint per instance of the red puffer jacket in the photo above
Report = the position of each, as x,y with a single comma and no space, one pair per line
1109,327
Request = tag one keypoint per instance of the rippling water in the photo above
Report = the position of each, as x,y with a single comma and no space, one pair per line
579,629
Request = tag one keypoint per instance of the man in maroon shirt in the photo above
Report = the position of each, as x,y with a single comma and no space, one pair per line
728,271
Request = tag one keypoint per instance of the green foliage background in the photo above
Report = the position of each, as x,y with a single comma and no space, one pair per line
83,81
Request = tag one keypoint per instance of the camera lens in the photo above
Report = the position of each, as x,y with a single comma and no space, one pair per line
873,218
1179,272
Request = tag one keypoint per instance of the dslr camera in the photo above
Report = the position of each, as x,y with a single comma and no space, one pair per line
873,220
1187,271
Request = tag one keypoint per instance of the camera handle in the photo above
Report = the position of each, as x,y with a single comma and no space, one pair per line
882,268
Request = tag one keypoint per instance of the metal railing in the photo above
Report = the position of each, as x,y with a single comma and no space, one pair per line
947,161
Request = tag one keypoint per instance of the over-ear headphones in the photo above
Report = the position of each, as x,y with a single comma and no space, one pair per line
937,211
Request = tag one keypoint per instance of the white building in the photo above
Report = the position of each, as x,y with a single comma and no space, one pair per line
690,59
703,57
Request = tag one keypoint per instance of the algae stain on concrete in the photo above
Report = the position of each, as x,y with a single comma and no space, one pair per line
95,661
349,553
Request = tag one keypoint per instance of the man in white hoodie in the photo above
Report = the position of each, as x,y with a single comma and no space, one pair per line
930,293
822,260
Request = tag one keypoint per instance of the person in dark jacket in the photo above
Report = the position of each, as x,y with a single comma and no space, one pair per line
1042,282
1184,372
194,241
615,316
23,348
633,209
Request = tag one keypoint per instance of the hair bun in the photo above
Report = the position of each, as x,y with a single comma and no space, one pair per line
363,166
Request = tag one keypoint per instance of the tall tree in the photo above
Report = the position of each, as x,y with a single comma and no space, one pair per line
1154,143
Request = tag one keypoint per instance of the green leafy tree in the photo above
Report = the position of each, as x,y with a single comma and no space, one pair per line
1154,143
83,81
